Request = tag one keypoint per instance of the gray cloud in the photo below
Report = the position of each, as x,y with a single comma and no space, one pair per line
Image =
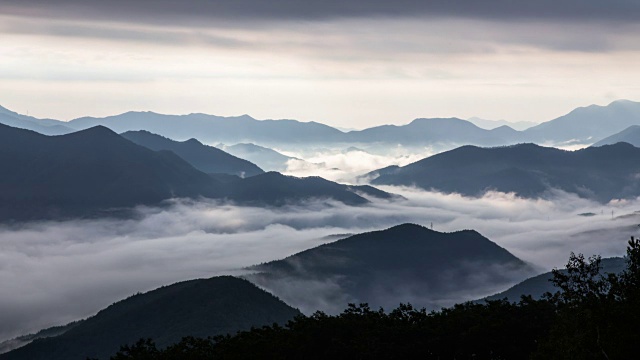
204,11
52,272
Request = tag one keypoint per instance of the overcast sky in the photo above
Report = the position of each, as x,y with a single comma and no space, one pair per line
349,64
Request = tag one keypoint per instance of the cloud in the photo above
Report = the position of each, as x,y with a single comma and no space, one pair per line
256,10
55,272
346,165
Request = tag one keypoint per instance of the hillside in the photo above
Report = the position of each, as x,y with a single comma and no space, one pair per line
403,263
528,170
85,172
201,308
207,159
630,135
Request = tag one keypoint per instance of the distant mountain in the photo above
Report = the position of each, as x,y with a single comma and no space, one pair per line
581,126
586,125
47,127
630,135
266,158
23,340
207,159
434,131
540,284
406,263
215,129
492,124
97,172
599,173
200,308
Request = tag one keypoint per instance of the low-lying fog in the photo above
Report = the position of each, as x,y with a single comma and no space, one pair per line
55,272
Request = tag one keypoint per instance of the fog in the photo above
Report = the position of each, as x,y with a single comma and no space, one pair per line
346,165
55,272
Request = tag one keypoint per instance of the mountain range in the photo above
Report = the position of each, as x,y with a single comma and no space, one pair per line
598,173
585,125
98,172
199,308
405,263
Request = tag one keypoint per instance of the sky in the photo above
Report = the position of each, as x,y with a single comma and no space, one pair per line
349,64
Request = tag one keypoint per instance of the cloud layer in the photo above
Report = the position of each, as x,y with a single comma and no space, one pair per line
52,273
591,10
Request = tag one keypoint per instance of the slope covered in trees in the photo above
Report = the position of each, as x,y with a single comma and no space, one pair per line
598,173
199,308
407,262
207,159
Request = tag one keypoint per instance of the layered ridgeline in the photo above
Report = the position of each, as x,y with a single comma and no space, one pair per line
583,125
266,158
406,263
538,285
97,172
43,126
207,159
200,308
629,135
528,170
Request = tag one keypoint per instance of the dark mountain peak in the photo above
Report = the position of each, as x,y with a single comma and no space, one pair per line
193,141
97,131
199,308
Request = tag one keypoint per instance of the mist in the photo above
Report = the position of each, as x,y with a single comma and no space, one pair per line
55,272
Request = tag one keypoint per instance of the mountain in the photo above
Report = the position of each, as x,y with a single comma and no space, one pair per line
276,189
598,173
266,158
47,126
80,173
630,135
200,308
214,129
405,263
492,124
434,131
97,172
207,159
540,284
586,125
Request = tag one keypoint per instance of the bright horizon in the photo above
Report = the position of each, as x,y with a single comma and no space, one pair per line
351,66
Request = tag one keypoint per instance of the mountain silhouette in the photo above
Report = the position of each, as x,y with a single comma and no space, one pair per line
583,125
207,159
96,172
586,125
199,308
74,174
383,268
43,126
528,170
266,158
630,135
